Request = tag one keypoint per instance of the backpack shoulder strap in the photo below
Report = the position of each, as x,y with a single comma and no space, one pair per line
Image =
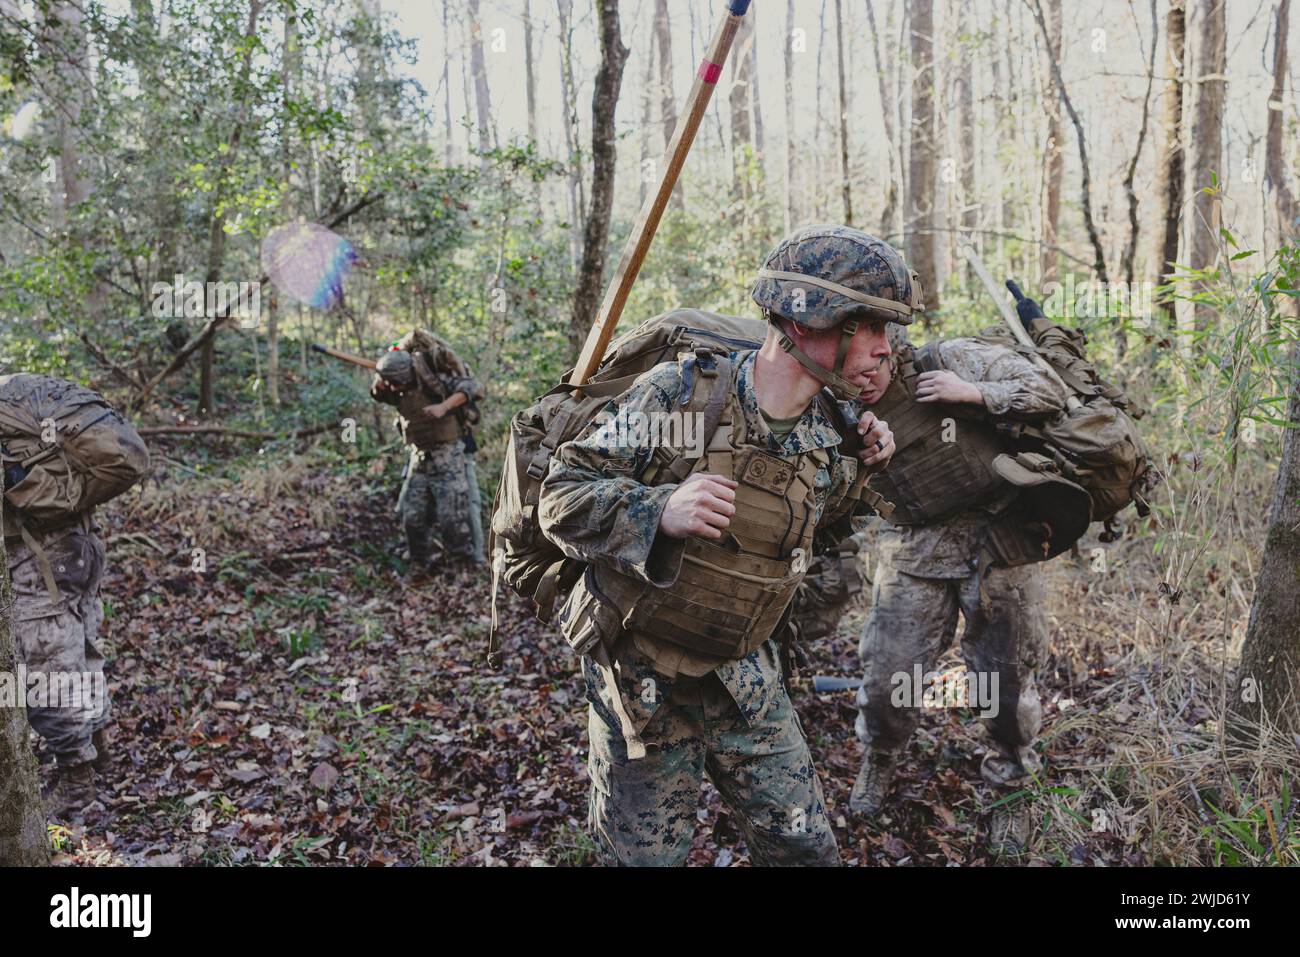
708,379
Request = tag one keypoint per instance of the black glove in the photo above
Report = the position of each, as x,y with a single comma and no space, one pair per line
1026,308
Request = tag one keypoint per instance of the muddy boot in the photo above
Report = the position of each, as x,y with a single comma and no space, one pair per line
72,790
1009,831
872,786
103,760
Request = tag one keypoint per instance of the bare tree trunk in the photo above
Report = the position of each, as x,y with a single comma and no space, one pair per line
755,103
742,133
1270,657
647,100
667,102
1128,261
1053,157
446,87
63,36
604,155
577,199
846,190
1169,171
1274,167
921,163
788,45
478,69
23,841
815,176
1207,143
292,85
884,85
217,232
1099,256
530,80
966,135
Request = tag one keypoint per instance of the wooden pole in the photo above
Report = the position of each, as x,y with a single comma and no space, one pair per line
638,244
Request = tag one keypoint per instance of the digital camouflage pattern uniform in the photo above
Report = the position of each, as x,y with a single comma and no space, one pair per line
835,576
441,486
928,573
730,720
59,637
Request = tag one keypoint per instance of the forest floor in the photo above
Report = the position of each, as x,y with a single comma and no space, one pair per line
298,702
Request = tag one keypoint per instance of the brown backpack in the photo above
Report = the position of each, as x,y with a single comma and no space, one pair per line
63,450
1096,445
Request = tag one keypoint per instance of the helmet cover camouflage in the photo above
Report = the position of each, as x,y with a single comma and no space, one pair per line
821,275
397,367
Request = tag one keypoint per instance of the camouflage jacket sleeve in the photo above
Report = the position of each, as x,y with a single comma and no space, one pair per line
1010,383
594,505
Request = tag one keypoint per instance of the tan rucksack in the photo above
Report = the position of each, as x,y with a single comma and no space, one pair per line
532,565
65,450
1097,445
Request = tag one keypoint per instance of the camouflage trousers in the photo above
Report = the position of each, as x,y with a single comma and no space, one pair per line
66,694
643,812
913,620
441,489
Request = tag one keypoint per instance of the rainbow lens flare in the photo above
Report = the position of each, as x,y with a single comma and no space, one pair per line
308,263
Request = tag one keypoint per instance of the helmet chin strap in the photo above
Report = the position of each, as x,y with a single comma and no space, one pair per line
843,389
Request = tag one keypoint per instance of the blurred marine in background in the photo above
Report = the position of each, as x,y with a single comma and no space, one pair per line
435,394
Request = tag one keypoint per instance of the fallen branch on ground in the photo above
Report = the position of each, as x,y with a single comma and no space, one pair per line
233,433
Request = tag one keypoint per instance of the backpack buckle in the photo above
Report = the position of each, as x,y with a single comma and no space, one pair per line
707,362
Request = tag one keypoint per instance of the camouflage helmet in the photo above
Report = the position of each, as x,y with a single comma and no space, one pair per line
821,275
826,276
397,367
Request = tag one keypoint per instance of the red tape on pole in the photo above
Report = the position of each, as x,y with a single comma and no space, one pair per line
709,72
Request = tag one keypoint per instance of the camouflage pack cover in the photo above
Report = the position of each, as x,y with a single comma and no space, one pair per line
77,451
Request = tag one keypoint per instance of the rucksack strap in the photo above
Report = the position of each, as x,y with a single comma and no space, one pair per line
42,559
707,381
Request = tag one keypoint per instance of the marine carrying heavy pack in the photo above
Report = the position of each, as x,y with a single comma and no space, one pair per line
1085,464
529,562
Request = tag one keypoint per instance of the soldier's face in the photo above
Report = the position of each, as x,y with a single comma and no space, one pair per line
868,353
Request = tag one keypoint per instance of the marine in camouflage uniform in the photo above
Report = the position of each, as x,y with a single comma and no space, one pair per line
930,572
58,636
56,564
665,713
432,389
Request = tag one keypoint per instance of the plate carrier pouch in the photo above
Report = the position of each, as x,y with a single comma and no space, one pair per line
74,452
